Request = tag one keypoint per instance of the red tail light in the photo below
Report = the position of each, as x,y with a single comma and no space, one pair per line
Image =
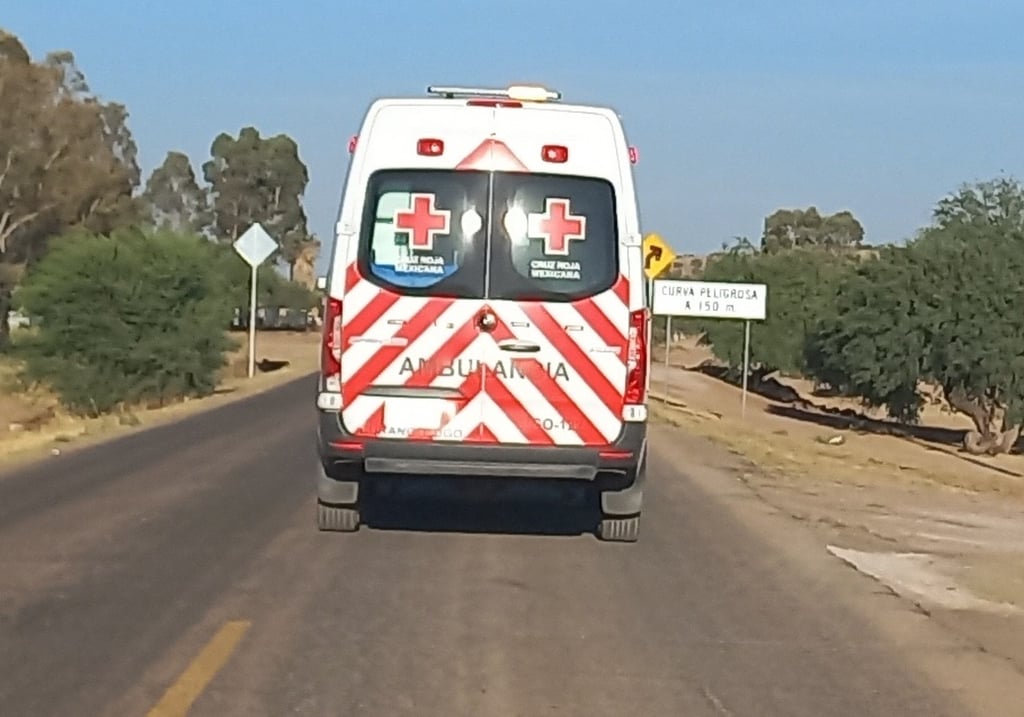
330,362
352,142
637,358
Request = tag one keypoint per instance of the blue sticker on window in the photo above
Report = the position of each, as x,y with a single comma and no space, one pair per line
416,270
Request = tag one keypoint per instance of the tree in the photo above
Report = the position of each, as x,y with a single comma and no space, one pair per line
173,198
997,202
299,252
66,159
256,179
792,228
130,318
302,264
273,289
802,285
739,245
945,310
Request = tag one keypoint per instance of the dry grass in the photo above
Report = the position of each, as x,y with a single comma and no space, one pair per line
799,457
801,445
860,485
33,424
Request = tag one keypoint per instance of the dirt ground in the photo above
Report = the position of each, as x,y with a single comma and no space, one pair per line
933,524
33,425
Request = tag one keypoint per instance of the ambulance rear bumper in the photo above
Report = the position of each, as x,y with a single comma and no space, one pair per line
342,455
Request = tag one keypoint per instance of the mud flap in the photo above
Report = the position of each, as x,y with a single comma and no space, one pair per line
335,492
628,501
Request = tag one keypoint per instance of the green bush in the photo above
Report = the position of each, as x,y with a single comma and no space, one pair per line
945,310
801,292
273,288
126,319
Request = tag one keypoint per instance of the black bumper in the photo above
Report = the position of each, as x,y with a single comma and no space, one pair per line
343,454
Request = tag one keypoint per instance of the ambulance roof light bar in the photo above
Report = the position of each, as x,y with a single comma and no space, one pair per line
524,93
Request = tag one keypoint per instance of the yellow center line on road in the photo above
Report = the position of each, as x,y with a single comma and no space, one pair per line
178,698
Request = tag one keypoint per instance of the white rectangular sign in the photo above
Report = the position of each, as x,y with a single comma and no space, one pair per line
710,299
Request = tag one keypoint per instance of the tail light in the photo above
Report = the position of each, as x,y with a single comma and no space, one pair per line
636,358
330,361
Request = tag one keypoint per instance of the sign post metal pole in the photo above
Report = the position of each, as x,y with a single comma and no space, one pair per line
252,321
746,366
668,349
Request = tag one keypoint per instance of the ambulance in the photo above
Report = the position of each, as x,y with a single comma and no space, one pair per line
486,312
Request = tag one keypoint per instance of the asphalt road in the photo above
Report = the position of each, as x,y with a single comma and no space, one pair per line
181,566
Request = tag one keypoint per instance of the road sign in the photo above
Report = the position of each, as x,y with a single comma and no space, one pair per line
710,299
255,245
658,255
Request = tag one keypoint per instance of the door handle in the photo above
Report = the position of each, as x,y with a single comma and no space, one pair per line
521,347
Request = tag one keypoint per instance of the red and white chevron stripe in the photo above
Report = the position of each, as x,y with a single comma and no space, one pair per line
384,332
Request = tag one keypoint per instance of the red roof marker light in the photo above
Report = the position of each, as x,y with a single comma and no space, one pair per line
494,103
555,153
430,147
352,142
634,155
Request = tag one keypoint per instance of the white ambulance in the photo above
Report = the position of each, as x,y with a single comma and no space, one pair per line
486,311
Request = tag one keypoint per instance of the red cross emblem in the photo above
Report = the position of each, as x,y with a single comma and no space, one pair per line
423,222
556,226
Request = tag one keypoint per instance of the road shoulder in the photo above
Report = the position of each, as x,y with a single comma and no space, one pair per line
34,429
948,646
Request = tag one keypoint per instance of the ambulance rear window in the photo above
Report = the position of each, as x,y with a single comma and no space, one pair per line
554,237
422,232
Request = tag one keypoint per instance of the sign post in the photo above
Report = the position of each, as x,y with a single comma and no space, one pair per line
714,300
252,320
668,355
746,366
658,256
254,246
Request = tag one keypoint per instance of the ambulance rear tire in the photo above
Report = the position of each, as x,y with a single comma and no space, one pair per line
619,530
337,518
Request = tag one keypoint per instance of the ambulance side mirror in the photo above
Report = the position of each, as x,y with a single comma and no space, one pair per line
321,283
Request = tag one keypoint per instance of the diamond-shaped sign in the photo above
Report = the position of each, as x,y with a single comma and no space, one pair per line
255,245
658,255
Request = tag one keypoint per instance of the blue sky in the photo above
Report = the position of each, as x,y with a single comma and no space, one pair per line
738,108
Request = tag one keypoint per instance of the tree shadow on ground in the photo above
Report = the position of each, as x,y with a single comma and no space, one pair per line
788,403
944,440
